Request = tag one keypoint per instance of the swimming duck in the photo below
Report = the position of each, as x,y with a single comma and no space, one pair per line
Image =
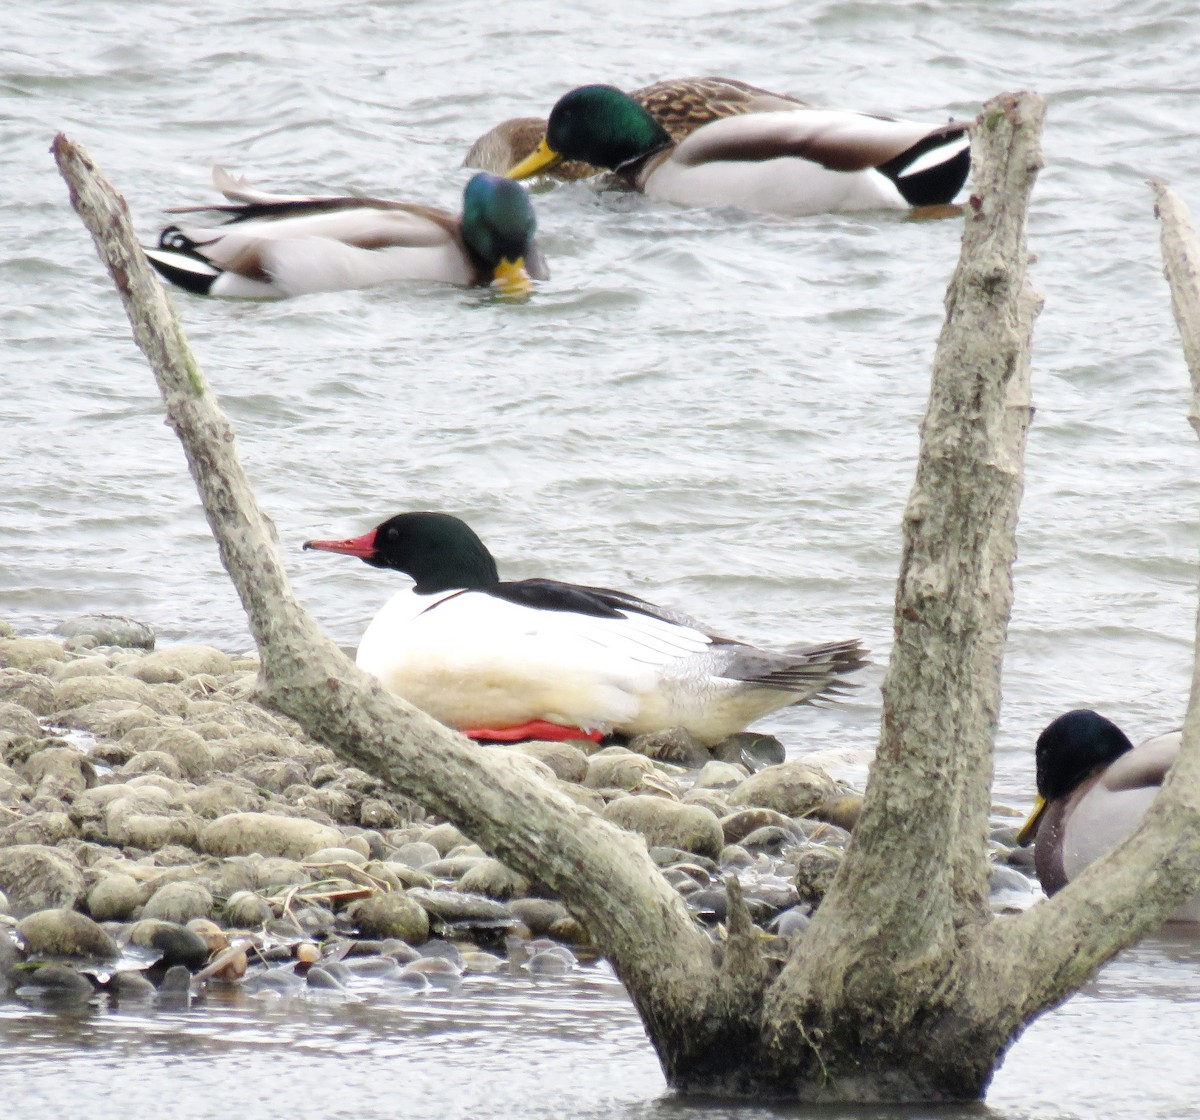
680,105
1094,787
791,162
537,658
271,246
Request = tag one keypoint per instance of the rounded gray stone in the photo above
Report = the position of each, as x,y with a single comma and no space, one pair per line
239,834
391,915
108,630
65,933
179,902
669,823
114,897
35,877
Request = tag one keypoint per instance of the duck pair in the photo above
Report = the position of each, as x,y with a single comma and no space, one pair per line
1094,786
692,142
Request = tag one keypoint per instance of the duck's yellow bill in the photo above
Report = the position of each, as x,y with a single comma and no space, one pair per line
1029,828
511,279
544,158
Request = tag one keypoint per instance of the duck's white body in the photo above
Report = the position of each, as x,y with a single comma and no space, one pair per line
471,659
793,163
274,246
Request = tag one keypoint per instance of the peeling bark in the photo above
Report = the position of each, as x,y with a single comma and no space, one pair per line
902,989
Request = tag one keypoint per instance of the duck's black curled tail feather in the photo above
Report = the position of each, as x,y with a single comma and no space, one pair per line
178,260
933,170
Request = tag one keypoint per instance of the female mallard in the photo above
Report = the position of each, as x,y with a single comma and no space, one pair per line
791,162
1094,786
680,105
537,658
271,246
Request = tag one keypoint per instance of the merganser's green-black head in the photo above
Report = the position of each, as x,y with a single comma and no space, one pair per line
439,551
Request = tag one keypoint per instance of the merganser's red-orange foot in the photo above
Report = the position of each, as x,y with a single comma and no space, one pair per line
533,729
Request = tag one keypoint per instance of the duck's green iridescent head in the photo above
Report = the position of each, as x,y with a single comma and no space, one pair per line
498,226
599,125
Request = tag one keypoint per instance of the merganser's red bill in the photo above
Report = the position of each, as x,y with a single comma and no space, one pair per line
363,547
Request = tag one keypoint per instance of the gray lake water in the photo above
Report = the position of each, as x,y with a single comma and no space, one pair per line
710,409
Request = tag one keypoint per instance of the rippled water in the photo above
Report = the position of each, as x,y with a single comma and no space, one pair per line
712,410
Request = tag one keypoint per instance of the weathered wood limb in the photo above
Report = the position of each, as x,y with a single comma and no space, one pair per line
1046,953
915,875
601,872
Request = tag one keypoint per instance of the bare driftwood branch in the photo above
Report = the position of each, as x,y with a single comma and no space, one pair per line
916,872
601,872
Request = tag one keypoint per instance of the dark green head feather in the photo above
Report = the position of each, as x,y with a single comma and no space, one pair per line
602,126
1072,747
497,219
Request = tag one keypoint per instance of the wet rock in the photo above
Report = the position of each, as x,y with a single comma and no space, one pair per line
76,692
570,930
814,869
842,811
192,755
792,788
671,744
720,775
29,653
114,897
555,961
821,832
177,944
65,933
791,922
712,800
277,871
30,690
224,795
567,761
130,986
490,877
321,978
56,982
390,915
152,762
539,914
59,771
177,663
38,878
266,833
108,630
407,876
618,768
669,823
176,986
152,832
453,907
179,902
771,840
246,910
733,856
4,905
16,720
444,837
337,855
752,749
47,829
108,719
374,812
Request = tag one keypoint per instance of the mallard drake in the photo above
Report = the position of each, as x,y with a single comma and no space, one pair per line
680,105
1094,786
537,658
792,162
271,246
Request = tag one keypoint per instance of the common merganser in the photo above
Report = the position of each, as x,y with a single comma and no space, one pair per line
538,658
271,246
